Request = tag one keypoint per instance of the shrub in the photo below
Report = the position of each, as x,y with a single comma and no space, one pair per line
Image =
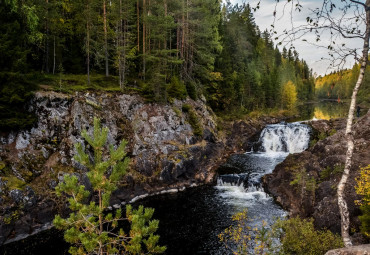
186,107
292,236
298,236
15,93
331,171
176,89
192,90
194,123
363,189
147,92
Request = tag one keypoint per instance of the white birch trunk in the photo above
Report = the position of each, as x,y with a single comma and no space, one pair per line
343,208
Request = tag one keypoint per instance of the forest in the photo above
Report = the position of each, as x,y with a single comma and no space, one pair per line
161,49
339,85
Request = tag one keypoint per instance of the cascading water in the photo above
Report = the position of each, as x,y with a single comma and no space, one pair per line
291,138
244,190
191,221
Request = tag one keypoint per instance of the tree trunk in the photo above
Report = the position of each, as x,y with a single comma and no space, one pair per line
144,33
105,39
343,208
138,25
47,38
183,29
54,57
125,29
88,45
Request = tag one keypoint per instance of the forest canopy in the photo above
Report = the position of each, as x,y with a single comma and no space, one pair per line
159,48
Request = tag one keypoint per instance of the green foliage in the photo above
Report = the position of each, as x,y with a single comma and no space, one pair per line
216,50
328,172
192,90
291,236
15,93
322,136
332,132
339,85
89,228
193,119
176,89
302,181
363,189
289,95
147,91
186,107
300,237
194,123
177,112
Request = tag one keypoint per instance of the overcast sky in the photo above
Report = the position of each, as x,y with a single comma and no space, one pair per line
310,53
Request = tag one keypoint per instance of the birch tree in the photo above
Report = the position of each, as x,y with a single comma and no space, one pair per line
339,20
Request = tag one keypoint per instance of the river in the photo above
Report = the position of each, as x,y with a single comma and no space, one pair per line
191,221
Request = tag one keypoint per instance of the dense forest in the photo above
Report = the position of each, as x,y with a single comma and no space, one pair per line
161,49
339,85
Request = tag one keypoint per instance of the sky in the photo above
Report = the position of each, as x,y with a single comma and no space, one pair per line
310,53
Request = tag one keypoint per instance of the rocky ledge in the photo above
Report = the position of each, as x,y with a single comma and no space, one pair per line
305,184
354,250
165,154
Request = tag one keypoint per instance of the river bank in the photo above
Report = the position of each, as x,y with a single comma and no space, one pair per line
166,155
305,183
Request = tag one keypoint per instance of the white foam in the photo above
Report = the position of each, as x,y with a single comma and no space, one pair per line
290,138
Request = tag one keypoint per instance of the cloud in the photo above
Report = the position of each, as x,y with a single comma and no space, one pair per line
285,19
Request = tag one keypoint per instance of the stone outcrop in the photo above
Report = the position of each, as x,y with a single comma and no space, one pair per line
165,154
354,250
305,183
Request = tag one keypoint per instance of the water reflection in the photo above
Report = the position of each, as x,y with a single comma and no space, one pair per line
323,110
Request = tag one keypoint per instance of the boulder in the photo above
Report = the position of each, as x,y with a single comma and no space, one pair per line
354,250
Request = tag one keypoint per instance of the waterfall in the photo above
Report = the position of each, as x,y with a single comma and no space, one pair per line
275,143
290,138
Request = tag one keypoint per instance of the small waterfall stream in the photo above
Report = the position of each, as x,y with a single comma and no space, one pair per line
243,190
191,221
290,138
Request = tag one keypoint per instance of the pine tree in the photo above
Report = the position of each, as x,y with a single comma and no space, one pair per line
89,228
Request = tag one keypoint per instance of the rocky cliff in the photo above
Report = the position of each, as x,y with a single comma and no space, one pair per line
305,183
165,154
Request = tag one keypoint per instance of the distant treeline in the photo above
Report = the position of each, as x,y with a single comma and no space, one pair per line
162,48
340,84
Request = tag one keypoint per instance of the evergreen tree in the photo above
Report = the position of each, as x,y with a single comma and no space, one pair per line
89,228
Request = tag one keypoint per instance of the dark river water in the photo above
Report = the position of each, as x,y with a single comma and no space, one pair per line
191,221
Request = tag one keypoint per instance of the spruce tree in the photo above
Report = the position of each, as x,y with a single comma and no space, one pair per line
89,228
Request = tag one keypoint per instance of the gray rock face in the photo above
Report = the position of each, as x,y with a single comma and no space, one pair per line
164,152
160,144
355,250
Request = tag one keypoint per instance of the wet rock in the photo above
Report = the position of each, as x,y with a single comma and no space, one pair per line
29,198
209,136
166,173
161,145
16,195
323,164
